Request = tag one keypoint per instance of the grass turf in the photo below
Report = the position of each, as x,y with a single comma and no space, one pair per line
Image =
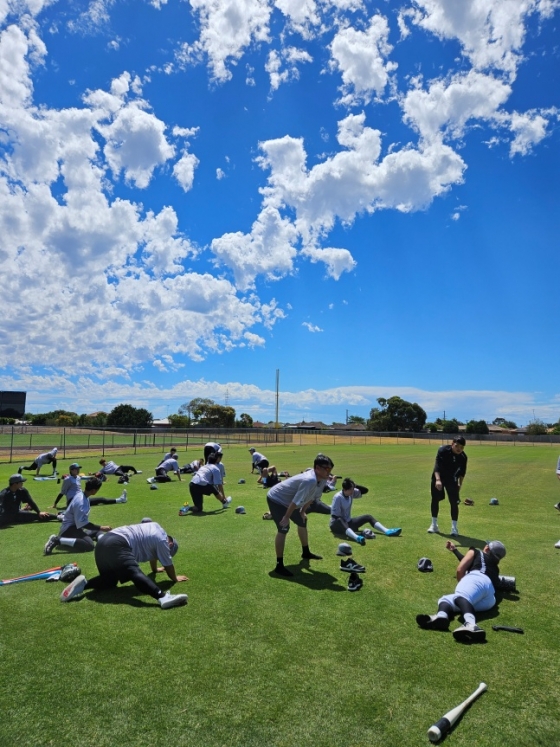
257,660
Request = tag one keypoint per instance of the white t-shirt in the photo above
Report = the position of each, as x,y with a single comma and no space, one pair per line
46,457
257,457
209,474
147,542
77,513
169,465
341,507
70,486
109,468
299,489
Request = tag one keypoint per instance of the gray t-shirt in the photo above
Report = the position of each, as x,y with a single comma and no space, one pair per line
299,489
147,542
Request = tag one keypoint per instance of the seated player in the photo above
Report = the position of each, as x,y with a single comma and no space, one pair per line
341,520
11,499
477,581
72,485
269,477
117,555
49,457
77,531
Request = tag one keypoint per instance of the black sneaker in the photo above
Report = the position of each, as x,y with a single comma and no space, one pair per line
469,633
350,566
432,622
355,583
311,556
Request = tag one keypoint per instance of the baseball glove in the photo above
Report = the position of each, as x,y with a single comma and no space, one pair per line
469,502
69,572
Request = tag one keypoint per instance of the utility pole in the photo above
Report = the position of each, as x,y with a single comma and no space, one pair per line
277,424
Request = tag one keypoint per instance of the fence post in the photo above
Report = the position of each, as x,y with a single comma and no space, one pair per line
12,445
103,443
64,441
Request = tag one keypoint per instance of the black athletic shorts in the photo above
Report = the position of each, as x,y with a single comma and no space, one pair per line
278,511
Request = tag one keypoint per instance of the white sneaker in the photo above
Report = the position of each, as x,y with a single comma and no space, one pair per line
122,498
433,529
74,589
150,479
173,600
227,501
138,471
454,532
557,544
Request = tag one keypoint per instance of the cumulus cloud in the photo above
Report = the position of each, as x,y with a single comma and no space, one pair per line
528,128
290,57
361,57
227,28
311,327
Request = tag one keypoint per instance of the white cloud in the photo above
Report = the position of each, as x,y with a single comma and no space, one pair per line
361,56
302,15
290,57
312,327
220,174
491,32
528,129
183,170
227,28
336,260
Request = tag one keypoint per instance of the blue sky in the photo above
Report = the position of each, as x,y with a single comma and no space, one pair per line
363,196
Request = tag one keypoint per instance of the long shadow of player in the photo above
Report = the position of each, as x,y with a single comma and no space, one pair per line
307,576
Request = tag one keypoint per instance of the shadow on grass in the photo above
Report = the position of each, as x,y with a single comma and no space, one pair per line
307,576
127,594
463,541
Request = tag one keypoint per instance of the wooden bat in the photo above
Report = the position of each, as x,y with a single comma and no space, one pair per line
437,731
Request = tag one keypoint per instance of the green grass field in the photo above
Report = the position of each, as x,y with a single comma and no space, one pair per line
256,660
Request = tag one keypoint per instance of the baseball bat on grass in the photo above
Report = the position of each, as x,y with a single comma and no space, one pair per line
437,731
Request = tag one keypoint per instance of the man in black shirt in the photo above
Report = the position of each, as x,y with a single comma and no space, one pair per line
11,499
448,475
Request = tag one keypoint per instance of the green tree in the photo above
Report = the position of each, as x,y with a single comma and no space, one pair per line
196,408
503,423
127,416
218,416
431,427
537,428
179,421
396,414
450,426
477,426
356,419
245,421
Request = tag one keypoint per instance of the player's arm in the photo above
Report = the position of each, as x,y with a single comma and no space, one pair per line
170,570
465,564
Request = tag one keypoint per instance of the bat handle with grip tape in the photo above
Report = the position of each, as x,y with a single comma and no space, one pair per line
508,628
436,731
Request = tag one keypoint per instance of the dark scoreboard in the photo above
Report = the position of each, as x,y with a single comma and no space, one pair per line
12,404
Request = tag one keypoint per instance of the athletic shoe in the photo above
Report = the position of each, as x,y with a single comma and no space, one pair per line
432,622
281,570
20,470
122,498
227,501
369,534
361,540
433,529
138,471
393,532
557,506
355,583
312,556
51,543
557,544
454,532
151,480
350,566
60,516
74,589
172,600
469,633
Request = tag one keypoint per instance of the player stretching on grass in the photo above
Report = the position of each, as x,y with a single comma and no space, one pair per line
49,457
11,499
289,500
117,555
342,522
477,580
77,531
72,484
448,475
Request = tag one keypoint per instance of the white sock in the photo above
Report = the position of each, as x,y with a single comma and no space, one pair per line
454,526
434,521
443,614
67,541
469,618
379,525
351,534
